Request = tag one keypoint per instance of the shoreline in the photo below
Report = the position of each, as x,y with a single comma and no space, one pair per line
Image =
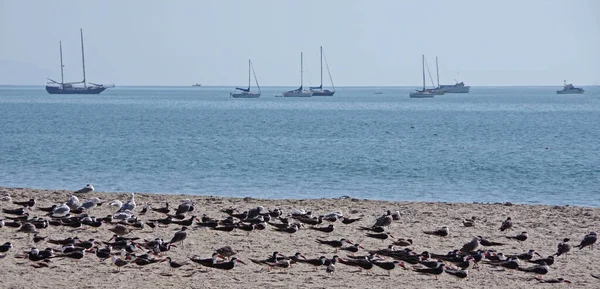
547,225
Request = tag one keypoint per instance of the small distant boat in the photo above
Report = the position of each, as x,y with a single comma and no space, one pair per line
425,93
196,85
318,90
570,89
378,92
62,87
300,92
245,92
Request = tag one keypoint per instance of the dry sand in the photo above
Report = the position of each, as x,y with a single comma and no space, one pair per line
546,225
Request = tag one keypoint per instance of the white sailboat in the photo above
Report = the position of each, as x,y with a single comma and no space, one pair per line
300,92
319,91
424,93
245,92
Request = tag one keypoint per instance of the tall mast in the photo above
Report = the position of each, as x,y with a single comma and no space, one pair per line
437,71
62,78
255,79
321,67
301,76
248,74
82,57
423,65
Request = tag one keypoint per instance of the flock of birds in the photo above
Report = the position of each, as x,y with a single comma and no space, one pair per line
126,249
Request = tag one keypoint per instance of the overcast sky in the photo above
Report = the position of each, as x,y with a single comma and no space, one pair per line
135,42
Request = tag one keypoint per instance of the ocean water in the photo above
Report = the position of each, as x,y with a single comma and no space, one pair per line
496,144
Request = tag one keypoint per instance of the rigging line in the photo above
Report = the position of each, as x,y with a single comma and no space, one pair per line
328,72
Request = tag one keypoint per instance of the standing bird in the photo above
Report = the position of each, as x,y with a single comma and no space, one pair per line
73,202
119,262
589,240
506,225
129,205
442,232
520,237
179,236
563,247
87,189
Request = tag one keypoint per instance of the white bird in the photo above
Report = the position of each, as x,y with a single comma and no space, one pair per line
73,202
61,211
116,203
88,188
6,197
129,205
123,215
90,204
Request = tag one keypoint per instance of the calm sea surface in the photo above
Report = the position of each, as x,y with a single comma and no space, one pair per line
517,144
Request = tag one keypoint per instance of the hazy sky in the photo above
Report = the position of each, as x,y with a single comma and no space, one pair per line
134,42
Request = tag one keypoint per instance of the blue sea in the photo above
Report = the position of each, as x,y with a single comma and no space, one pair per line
496,144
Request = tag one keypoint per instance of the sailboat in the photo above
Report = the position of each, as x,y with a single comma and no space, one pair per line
319,91
62,87
245,92
436,90
300,92
424,93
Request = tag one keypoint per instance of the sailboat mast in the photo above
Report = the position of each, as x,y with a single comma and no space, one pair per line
82,57
255,79
321,67
248,74
62,77
423,65
437,71
301,71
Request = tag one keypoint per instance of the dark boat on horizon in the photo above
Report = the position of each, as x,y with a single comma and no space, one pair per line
318,90
62,87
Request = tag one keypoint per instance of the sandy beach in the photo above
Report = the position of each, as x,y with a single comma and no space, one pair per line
546,225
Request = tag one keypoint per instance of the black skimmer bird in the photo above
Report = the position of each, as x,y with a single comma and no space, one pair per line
442,232
511,263
388,266
173,264
363,263
327,229
520,237
403,242
87,189
309,221
506,224
354,248
471,246
434,271
5,247
525,256
291,229
487,243
246,227
334,243
589,240
225,265
17,212
563,247
380,236
47,209
29,203
459,273
206,261
187,222
347,221
376,229
227,228
469,222
548,261
276,256
540,269
163,210
556,280
315,262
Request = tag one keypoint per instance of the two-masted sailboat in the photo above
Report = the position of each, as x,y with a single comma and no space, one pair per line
300,92
62,87
245,92
425,93
318,90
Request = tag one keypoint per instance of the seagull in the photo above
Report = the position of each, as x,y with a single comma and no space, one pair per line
506,225
129,205
88,188
471,246
61,211
90,204
73,202
589,240
179,236
563,248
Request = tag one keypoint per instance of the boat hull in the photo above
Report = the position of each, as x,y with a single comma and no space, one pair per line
454,89
75,90
421,95
245,95
298,94
325,92
569,91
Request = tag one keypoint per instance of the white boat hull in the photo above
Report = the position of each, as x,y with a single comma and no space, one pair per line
301,93
454,89
245,95
420,94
